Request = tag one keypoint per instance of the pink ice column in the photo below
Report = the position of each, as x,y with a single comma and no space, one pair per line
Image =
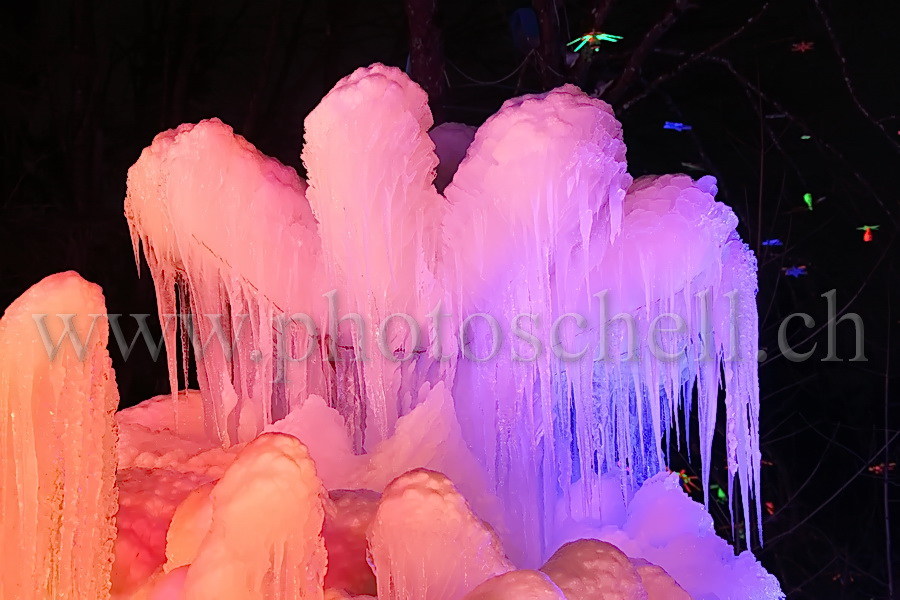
57,443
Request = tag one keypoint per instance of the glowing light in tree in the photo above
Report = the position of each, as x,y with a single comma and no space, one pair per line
677,126
592,40
867,232
795,271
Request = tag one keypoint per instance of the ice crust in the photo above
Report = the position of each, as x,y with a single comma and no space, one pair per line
517,585
593,570
327,457
426,543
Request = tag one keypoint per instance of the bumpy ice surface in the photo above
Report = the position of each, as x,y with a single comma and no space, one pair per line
326,456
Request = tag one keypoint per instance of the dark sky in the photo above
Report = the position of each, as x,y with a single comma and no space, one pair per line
86,85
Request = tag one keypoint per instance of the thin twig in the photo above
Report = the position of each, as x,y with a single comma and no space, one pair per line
845,74
886,480
677,70
640,54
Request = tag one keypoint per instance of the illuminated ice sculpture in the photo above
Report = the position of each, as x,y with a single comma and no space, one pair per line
432,396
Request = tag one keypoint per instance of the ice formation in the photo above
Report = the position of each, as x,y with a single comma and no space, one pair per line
57,443
264,521
517,585
594,570
446,366
417,509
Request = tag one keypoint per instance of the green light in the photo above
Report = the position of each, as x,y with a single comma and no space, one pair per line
583,39
807,197
593,38
805,137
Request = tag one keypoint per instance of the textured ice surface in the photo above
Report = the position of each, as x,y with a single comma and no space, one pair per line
189,197
313,313
378,229
539,193
426,543
679,254
265,527
57,443
517,585
658,584
536,223
667,528
148,498
535,230
594,570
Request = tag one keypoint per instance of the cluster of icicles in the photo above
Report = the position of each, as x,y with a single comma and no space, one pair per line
341,444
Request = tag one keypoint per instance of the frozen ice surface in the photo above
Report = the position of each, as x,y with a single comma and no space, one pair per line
538,195
189,197
540,216
658,584
312,311
188,527
148,499
535,228
426,543
430,438
679,254
517,585
594,570
265,527
324,432
57,443
380,234
254,533
665,527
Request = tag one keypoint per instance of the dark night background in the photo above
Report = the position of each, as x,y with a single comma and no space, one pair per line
86,86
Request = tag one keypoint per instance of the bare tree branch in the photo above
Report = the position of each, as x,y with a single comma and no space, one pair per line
780,108
426,55
640,54
671,74
549,51
599,13
845,74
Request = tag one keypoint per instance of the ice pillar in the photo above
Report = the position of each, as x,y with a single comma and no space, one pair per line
57,443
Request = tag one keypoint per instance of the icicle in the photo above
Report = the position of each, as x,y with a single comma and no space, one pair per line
684,243
536,183
373,224
189,198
